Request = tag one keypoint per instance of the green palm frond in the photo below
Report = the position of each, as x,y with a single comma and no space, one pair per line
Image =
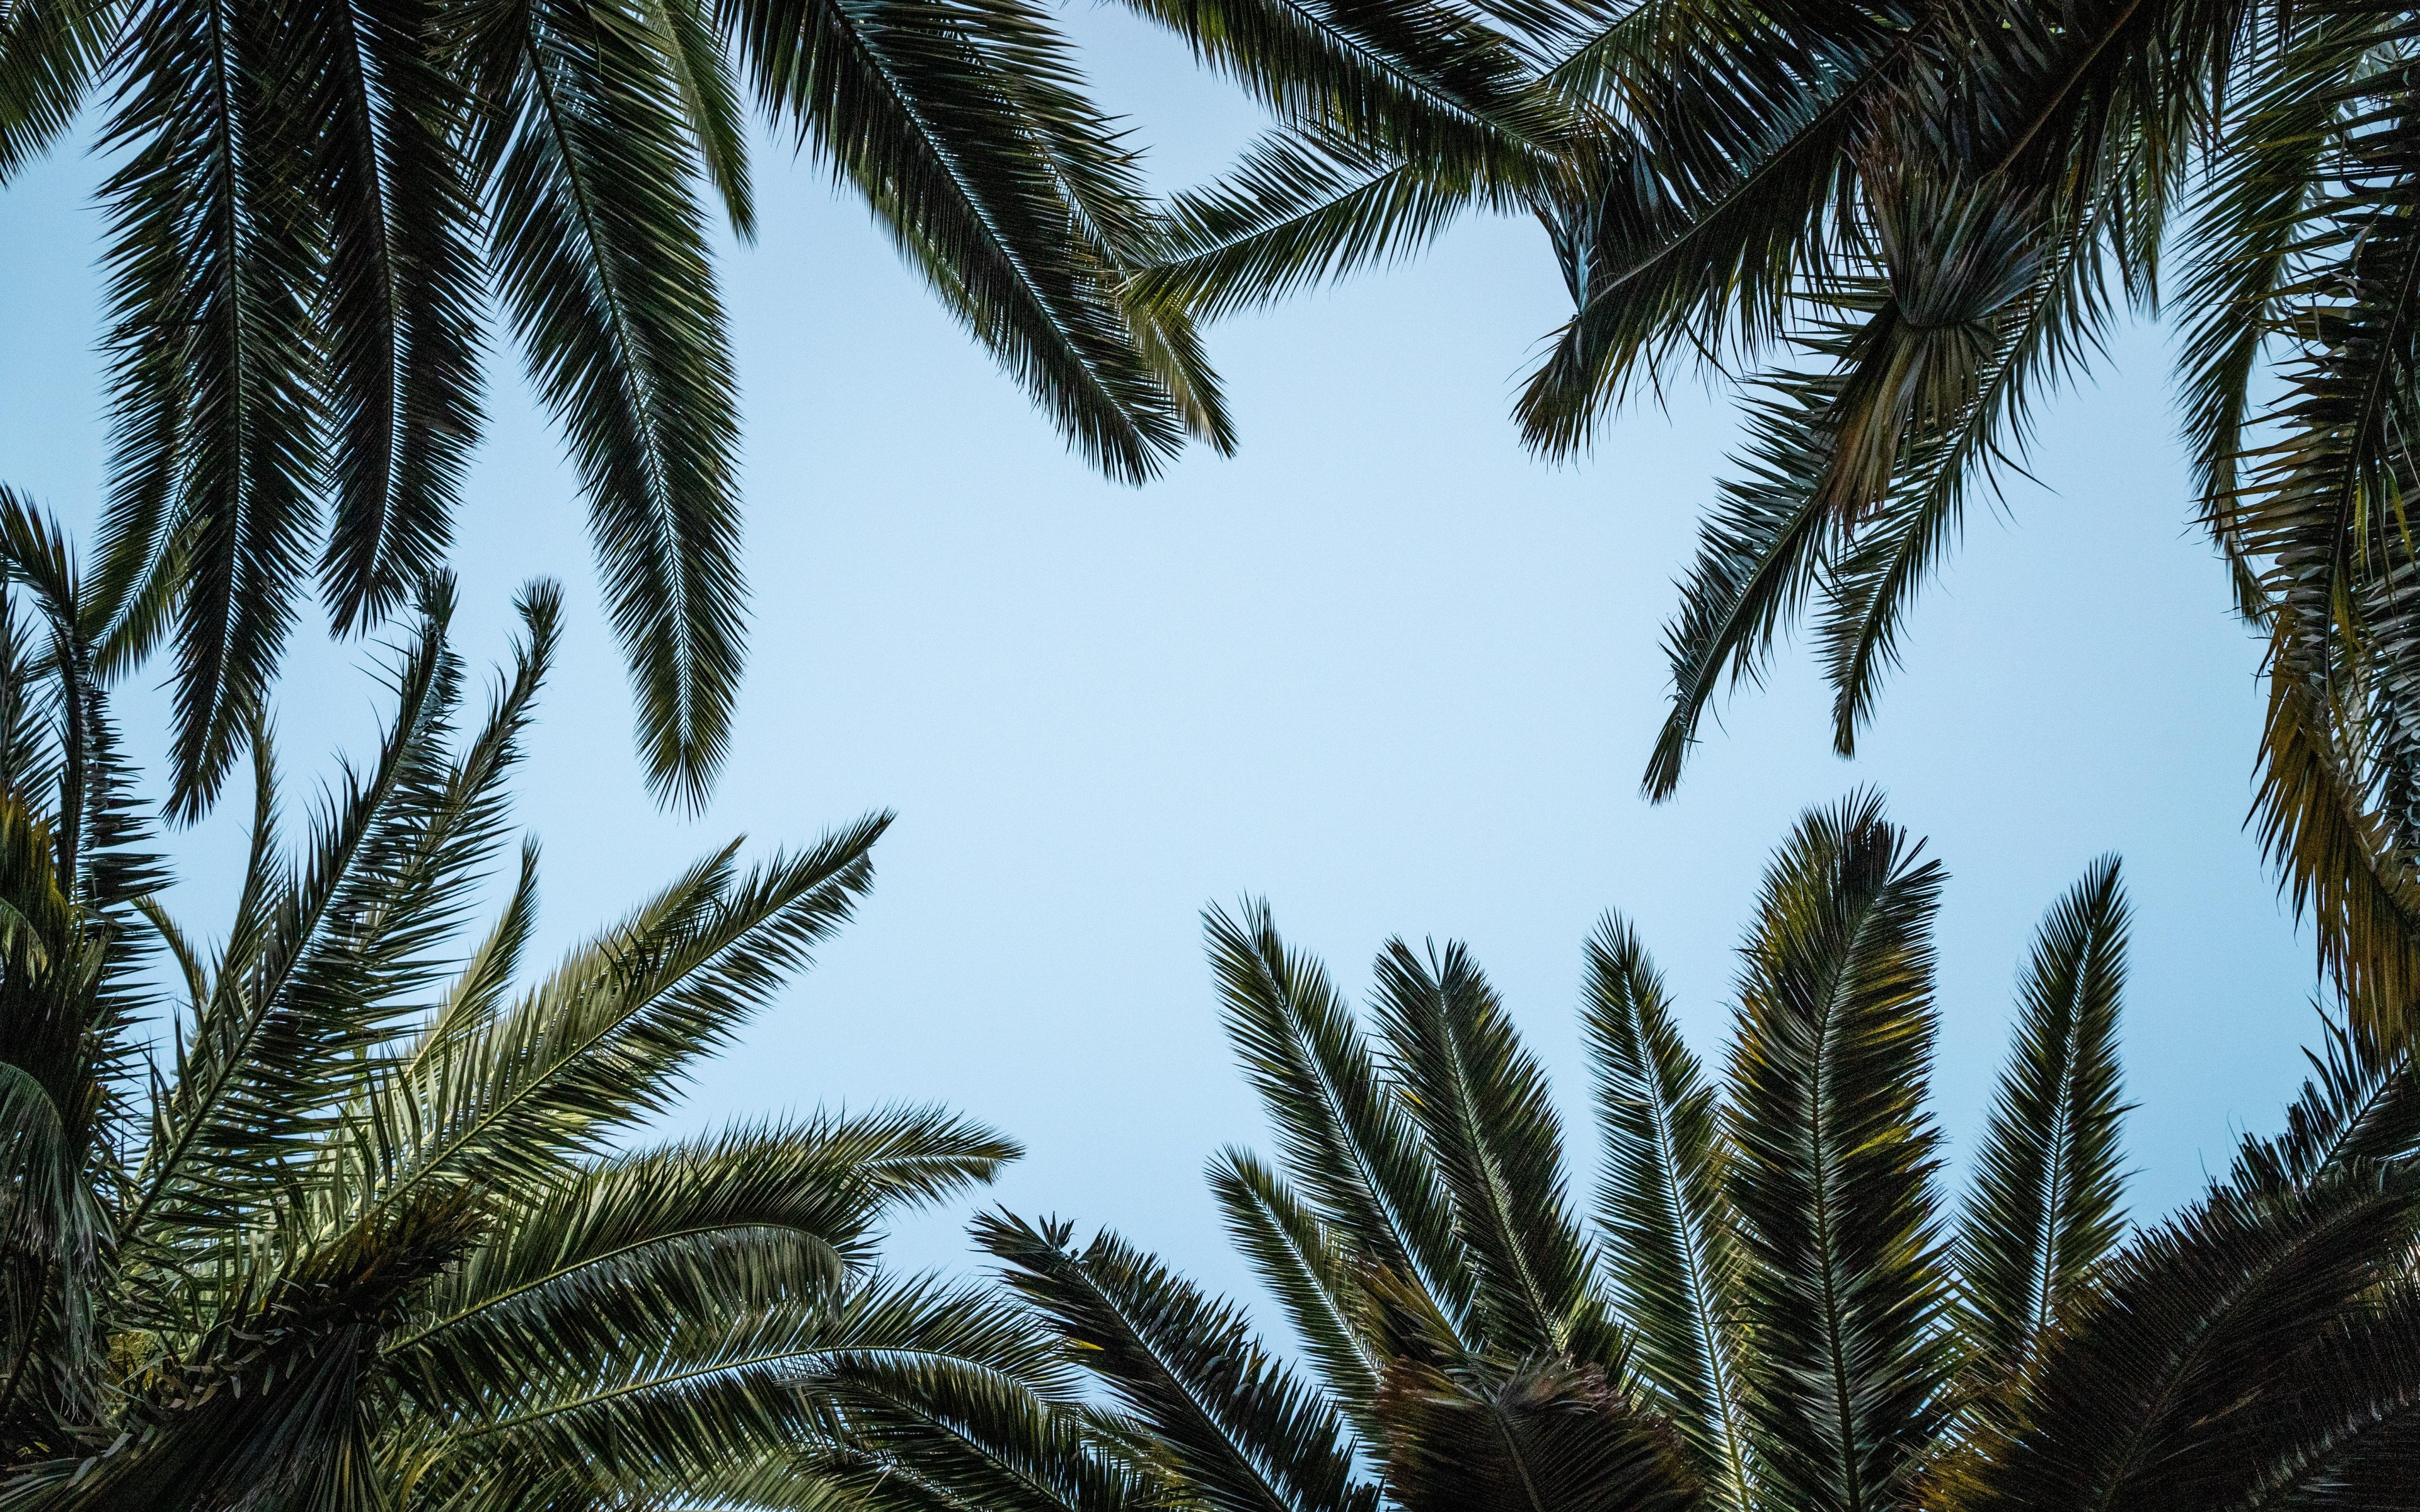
1227,1415
49,52
290,1010
2354,1110
1672,1244
1296,212
377,121
1482,1107
964,128
367,1251
1348,1139
215,358
678,1415
1306,1263
924,1434
606,1039
1760,557
1845,1282
683,1236
1806,1334
1396,77
2046,1209
599,247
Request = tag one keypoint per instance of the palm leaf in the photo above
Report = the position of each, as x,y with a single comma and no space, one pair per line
599,247
2046,1209
1347,1139
1306,1265
1232,1420
1673,1249
214,374
1484,1111
1844,1287
965,128
1550,1438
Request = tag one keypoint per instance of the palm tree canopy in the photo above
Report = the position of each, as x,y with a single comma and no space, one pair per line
1905,223
1766,1300
313,203
363,1229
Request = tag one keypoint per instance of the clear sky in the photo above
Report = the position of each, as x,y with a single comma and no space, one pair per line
1382,667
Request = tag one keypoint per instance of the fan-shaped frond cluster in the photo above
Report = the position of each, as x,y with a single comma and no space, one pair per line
1769,1300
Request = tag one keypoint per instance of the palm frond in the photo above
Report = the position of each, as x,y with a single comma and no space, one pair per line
1296,212
1428,83
964,128
607,1039
1672,1245
379,123
599,248
1306,1265
213,255
1486,1113
1232,1420
1844,1286
2356,1110
2047,1205
1549,1438
926,1433
2242,1335
1347,1139
49,52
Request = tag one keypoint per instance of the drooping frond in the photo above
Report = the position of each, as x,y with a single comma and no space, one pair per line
599,248
214,359
964,127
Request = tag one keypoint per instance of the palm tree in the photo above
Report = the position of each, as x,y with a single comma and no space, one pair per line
1908,222
364,1230
313,201
1775,1304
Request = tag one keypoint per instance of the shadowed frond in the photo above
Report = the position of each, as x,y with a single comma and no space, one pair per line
1481,1102
1227,1416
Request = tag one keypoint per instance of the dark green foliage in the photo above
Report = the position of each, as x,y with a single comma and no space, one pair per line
1901,224
2047,1205
1843,1284
367,1234
1774,1311
315,199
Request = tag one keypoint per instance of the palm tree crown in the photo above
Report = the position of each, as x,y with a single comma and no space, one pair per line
364,1234
313,203
1771,1304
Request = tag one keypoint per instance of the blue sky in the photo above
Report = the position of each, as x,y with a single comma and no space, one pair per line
1382,667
